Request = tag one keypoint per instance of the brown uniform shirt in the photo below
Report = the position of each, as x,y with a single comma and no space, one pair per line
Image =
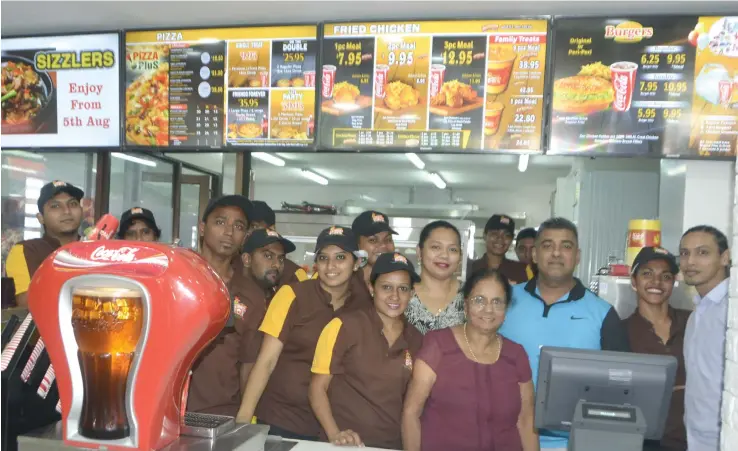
215,386
292,273
369,376
515,272
360,290
24,259
250,309
296,316
643,339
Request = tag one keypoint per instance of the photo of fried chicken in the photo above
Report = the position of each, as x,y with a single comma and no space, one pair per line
288,132
345,92
400,95
454,94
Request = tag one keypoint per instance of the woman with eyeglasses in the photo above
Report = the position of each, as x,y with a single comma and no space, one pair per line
472,388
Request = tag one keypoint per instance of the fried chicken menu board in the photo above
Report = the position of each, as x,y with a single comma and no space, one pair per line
61,91
465,85
660,86
211,88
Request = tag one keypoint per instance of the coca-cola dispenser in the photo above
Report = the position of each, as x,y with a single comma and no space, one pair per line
123,323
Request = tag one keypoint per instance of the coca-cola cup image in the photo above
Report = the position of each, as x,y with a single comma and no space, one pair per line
264,78
623,82
381,72
437,74
725,90
328,81
309,78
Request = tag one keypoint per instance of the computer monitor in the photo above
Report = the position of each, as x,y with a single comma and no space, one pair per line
567,376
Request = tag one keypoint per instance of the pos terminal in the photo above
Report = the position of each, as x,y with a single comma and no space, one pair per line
609,401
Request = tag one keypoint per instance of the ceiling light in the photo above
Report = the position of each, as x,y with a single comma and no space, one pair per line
133,159
414,159
269,158
24,154
367,198
308,174
10,167
523,162
437,180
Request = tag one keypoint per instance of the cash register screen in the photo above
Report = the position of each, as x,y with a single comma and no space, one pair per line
566,376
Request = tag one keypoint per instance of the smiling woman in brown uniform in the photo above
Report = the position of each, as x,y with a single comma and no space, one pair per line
277,388
375,237
363,362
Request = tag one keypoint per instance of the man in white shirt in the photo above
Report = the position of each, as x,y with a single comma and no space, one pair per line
704,261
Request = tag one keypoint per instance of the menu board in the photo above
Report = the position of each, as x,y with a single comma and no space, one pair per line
212,88
456,85
658,86
61,91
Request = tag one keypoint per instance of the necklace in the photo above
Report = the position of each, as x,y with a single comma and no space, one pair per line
499,346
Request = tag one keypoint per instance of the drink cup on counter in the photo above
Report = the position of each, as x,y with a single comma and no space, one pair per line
107,325
500,62
381,72
492,118
623,83
328,81
437,75
309,78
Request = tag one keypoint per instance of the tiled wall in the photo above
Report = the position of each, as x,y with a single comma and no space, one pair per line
729,437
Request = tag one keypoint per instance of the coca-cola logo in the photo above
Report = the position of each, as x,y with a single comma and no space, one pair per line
620,83
435,82
121,255
327,84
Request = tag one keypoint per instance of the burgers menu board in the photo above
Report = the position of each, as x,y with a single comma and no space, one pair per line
61,91
475,85
211,88
646,86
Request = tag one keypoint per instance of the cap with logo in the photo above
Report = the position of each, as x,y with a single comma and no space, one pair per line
391,262
262,212
137,213
649,254
500,222
51,189
342,237
231,200
370,223
264,237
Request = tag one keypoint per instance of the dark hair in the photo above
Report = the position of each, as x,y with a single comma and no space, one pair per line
485,274
428,229
720,238
558,223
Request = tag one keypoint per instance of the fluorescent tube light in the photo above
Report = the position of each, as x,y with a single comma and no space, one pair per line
10,167
437,180
523,162
269,158
414,159
308,174
133,159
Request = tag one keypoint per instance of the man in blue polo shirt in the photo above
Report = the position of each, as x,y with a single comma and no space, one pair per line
555,309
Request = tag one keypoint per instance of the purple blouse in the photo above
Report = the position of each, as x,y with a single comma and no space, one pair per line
472,406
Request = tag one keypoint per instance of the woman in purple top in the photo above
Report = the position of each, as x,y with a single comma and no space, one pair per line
471,388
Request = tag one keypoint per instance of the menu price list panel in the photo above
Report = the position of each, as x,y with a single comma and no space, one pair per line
657,86
214,88
464,85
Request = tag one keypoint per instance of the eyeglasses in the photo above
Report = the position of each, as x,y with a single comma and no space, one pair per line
480,302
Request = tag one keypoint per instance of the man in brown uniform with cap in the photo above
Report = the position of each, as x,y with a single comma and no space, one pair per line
263,260
215,385
138,224
374,236
498,236
264,218
60,214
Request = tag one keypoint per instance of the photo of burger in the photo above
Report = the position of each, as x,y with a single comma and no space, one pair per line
587,92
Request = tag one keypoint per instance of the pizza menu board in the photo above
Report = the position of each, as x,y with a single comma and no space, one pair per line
659,86
61,91
215,88
456,85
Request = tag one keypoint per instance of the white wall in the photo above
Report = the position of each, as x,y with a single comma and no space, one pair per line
729,436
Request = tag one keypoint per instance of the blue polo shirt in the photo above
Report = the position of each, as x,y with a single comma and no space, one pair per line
579,319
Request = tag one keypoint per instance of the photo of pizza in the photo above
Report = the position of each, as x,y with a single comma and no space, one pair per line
147,108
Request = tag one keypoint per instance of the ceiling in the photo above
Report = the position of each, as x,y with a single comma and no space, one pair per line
31,17
390,169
